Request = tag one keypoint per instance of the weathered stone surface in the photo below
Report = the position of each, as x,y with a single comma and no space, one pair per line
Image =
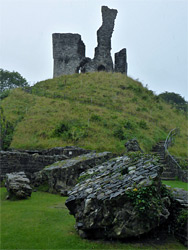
132,145
102,60
63,175
18,185
68,52
16,161
121,61
178,220
31,161
69,151
102,205
180,196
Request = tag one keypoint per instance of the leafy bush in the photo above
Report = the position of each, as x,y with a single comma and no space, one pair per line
142,124
95,118
10,80
175,99
147,201
61,128
129,125
119,133
73,130
6,131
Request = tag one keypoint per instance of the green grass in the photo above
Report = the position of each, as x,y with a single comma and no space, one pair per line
98,111
43,222
177,184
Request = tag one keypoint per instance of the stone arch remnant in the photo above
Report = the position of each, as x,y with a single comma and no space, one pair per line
69,50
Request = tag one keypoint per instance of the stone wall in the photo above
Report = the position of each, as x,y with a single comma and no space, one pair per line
31,161
62,176
17,161
121,61
181,174
69,151
102,60
68,52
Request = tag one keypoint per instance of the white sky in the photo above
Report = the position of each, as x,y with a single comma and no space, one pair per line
155,33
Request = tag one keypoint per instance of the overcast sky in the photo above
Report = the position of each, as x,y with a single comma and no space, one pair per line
155,34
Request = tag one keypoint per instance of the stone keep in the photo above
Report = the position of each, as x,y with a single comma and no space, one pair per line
69,50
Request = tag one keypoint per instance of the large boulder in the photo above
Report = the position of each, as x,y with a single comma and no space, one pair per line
133,146
18,185
120,198
62,176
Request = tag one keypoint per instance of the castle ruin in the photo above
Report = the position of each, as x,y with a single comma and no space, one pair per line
69,50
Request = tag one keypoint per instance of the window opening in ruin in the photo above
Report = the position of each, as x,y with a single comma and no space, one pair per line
78,70
101,68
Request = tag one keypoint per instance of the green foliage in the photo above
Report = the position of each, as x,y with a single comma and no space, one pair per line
147,201
129,124
6,131
95,118
175,99
183,162
71,130
142,124
10,80
44,187
4,94
136,155
182,218
119,133
172,97
2,183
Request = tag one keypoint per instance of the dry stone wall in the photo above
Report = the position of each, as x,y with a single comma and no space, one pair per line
31,161
62,176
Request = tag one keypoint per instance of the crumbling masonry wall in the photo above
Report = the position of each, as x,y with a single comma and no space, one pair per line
69,50
31,161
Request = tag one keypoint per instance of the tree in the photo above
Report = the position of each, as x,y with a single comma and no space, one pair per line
175,99
6,131
10,80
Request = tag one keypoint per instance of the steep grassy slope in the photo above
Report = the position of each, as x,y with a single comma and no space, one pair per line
94,110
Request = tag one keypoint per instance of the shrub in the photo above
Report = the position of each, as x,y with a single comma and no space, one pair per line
147,201
95,118
119,133
142,124
72,130
129,125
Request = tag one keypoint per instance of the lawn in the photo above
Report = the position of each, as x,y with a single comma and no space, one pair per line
43,222
177,184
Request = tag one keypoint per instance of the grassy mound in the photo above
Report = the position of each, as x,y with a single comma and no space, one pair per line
99,111
43,222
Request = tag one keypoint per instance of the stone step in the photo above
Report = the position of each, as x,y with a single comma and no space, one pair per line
168,178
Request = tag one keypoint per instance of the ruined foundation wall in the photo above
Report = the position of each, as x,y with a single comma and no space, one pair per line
31,161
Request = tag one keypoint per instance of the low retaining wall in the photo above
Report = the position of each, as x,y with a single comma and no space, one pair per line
17,161
181,174
31,161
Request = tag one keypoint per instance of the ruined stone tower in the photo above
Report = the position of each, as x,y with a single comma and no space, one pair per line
69,50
